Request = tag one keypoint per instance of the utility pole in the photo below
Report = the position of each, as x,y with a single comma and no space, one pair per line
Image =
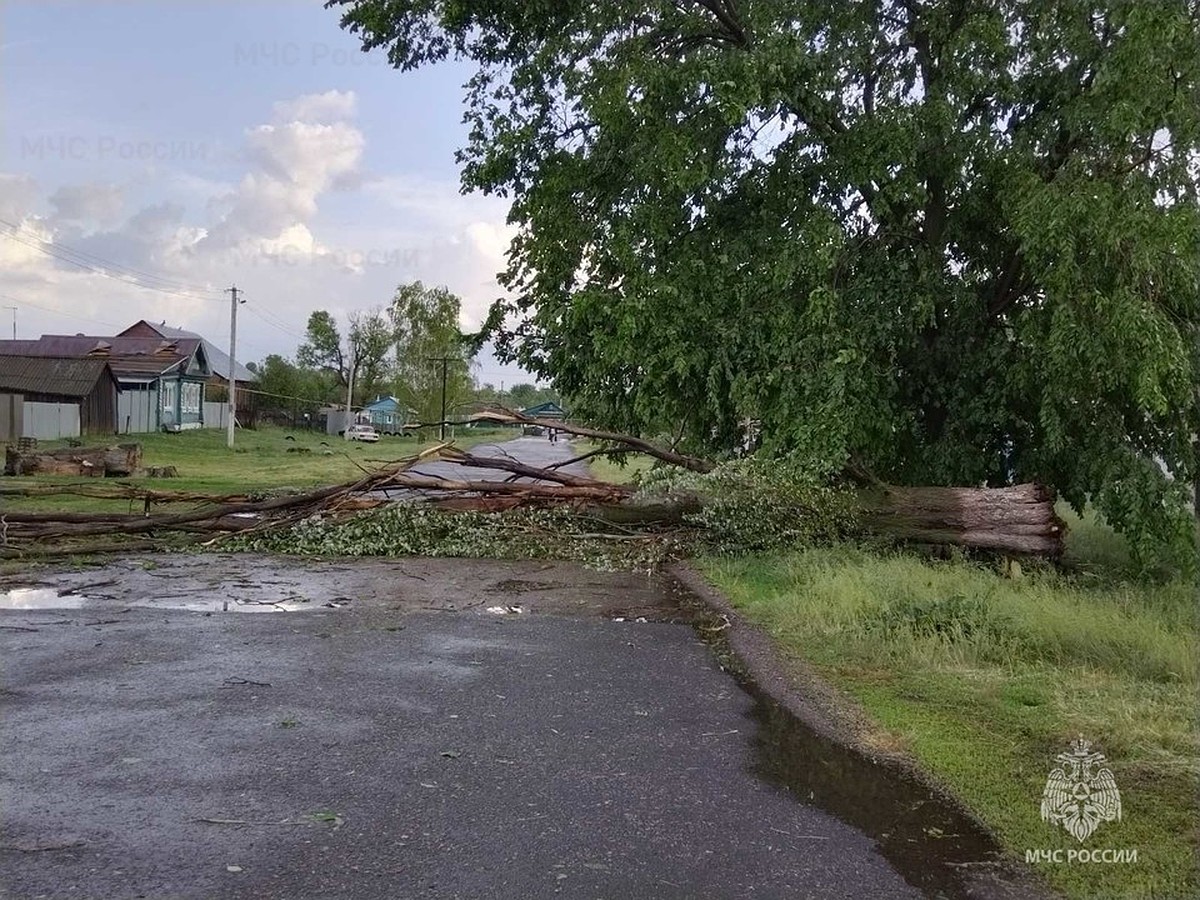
14,312
444,360
349,391
233,305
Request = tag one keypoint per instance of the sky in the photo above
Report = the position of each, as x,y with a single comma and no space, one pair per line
196,145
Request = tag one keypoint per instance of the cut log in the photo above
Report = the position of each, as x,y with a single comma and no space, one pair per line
122,459
1018,519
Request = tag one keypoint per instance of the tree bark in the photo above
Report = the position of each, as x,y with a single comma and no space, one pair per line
123,459
1018,519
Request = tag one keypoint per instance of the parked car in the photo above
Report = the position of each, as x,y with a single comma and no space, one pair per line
362,433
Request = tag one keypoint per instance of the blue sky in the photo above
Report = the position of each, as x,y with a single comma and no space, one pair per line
213,143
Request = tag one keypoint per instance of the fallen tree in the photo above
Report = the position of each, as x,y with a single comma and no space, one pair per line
747,507
120,460
1019,519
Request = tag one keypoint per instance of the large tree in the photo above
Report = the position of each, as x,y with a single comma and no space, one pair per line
431,353
363,354
945,240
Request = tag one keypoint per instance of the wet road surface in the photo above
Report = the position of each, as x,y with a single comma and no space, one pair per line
439,728
533,451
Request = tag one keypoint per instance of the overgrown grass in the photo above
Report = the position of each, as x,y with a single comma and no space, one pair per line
264,460
985,678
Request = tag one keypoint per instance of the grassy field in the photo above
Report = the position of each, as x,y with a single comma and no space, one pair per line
614,472
262,460
984,678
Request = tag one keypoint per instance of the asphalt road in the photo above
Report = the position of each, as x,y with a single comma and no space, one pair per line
418,728
533,451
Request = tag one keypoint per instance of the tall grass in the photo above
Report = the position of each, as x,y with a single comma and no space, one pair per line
984,676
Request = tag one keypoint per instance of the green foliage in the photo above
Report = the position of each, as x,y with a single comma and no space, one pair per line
426,332
405,530
983,678
371,341
322,348
290,386
757,505
954,241
363,355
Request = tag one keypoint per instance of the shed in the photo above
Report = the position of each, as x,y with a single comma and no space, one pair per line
50,383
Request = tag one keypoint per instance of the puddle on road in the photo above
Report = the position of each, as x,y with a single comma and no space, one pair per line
929,841
65,598
40,598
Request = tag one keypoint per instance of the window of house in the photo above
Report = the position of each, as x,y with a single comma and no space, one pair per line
191,397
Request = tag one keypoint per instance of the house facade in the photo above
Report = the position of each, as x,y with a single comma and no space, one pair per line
160,381
548,410
387,414
223,374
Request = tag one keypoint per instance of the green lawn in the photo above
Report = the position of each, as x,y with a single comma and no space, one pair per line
613,472
984,678
262,460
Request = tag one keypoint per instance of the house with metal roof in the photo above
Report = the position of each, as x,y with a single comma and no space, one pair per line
387,414
160,381
218,362
549,410
58,397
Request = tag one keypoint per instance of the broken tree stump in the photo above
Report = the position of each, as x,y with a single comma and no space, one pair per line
1018,519
122,459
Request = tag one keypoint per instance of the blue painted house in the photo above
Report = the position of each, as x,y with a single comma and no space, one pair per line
387,414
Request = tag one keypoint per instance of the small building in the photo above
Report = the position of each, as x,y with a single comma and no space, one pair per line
548,410
60,397
160,382
488,417
387,414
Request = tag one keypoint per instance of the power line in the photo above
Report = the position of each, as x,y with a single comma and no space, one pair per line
264,316
101,267
57,312
172,283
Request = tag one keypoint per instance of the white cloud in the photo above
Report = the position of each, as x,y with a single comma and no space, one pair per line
329,107
92,203
18,194
261,227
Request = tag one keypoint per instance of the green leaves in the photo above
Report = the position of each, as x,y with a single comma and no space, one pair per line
424,327
956,240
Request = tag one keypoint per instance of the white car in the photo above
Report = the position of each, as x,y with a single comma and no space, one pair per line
362,433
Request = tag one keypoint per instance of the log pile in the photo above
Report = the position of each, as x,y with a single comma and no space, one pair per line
1017,520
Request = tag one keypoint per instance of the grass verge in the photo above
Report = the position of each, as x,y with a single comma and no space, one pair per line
983,679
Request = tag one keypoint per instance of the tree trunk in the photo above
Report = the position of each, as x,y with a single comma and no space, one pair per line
123,459
1019,519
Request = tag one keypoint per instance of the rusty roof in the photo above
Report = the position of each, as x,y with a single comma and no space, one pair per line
50,375
126,355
